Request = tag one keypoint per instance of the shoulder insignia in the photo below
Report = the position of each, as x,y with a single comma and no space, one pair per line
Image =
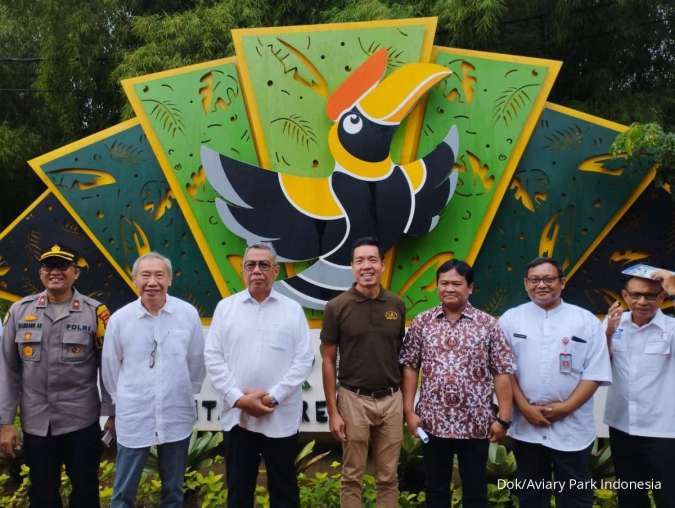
6,318
102,315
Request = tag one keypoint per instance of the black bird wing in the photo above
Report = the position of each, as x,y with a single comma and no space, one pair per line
433,181
299,216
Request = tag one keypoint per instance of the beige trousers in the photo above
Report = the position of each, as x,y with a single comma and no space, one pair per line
379,421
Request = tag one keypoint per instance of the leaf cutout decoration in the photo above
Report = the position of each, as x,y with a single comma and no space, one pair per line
394,56
317,83
168,114
496,302
564,139
297,128
33,245
511,102
206,91
124,153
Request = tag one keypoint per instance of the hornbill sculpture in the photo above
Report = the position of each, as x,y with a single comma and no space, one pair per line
367,194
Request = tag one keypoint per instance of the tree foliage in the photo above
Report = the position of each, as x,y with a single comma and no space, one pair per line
61,62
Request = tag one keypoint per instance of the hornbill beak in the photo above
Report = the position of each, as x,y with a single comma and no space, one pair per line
391,100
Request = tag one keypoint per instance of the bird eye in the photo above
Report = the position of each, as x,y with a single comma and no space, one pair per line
352,124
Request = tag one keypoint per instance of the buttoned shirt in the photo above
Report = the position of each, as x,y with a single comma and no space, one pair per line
538,337
459,361
152,366
50,364
264,346
641,400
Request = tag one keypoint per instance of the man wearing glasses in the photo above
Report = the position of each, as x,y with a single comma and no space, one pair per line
51,353
561,358
153,364
640,410
257,355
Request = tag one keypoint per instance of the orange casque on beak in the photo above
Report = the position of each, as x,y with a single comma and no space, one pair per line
391,100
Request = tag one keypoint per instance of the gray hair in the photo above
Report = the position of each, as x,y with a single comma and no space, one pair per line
152,255
262,246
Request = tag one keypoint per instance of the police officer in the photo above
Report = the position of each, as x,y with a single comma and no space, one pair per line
51,353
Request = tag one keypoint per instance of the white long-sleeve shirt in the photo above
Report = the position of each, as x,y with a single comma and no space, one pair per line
259,346
538,337
155,404
641,400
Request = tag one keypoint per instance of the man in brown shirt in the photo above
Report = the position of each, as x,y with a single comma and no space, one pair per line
366,325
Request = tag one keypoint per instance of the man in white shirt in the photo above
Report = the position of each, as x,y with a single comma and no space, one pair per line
640,408
257,355
153,364
561,358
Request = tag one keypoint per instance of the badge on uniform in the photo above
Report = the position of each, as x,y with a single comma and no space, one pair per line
565,363
391,315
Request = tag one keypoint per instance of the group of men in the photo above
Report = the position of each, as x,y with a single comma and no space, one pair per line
533,372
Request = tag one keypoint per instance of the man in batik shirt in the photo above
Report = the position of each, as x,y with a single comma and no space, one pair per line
464,357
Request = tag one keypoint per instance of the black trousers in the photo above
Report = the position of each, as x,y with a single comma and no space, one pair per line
536,462
244,449
471,455
79,451
642,459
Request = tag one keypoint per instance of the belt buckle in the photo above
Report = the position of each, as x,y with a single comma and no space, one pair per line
378,394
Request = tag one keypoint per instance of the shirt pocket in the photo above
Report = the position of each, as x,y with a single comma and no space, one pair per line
177,342
29,344
76,347
579,352
277,337
656,354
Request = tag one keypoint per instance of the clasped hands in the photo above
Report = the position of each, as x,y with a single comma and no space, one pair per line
543,415
256,402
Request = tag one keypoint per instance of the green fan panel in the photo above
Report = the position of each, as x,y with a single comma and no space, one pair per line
293,74
191,109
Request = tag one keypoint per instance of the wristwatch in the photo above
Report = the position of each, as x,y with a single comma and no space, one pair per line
503,423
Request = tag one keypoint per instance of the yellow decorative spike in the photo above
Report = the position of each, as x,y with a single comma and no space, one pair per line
521,194
100,179
549,236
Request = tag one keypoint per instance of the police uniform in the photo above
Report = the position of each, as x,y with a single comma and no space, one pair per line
49,364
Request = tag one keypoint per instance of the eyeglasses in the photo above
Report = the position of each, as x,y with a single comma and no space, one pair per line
61,267
153,353
650,297
264,266
535,281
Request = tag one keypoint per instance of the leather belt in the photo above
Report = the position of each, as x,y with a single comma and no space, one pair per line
376,394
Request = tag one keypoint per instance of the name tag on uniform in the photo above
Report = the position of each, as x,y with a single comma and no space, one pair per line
565,363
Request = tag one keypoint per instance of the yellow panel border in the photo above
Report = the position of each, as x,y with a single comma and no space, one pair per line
644,183
553,67
178,191
37,163
414,119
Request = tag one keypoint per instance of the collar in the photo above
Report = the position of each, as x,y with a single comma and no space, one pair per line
538,311
360,297
469,312
75,301
142,311
246,297
659,320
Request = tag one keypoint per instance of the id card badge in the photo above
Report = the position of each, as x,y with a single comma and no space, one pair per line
565,363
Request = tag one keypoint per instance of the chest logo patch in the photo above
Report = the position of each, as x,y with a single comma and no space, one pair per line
27,335
27,351
30,317
391,315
